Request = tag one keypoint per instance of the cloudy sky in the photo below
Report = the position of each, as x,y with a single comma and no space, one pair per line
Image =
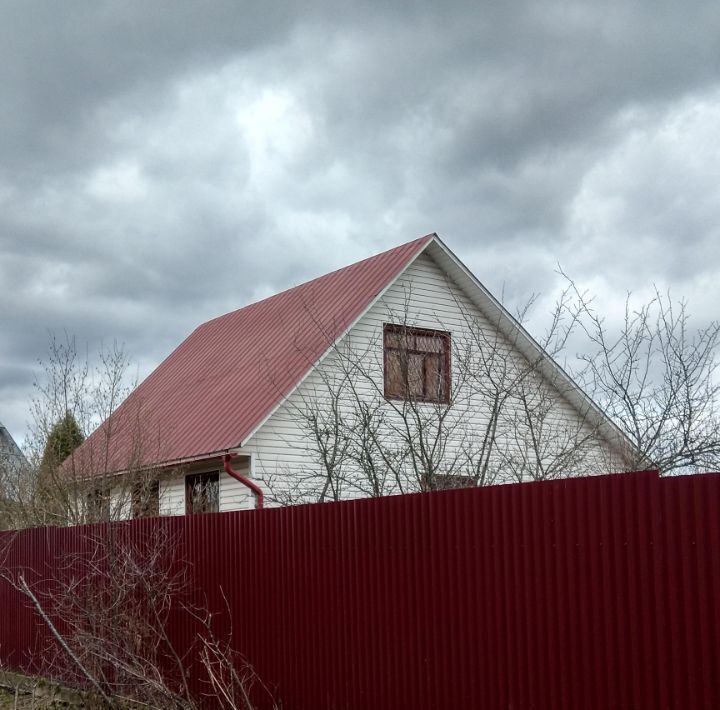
164,162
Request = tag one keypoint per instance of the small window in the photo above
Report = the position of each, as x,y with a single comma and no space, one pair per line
146,499
97,505
417,364
202,493
447,481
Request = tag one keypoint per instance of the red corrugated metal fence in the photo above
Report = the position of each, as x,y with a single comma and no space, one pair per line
601,592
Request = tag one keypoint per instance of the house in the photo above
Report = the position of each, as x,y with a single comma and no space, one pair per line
11,457
398,373
12,463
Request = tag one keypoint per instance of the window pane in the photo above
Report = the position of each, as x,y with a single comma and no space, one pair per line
212,494
443,481
393,374
393,339
146,499
430,343
416,386
203,493
198,489
433,376
152,500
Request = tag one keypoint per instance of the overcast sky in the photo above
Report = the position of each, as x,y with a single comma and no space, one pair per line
162,163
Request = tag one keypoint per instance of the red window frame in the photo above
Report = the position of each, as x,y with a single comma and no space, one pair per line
412,346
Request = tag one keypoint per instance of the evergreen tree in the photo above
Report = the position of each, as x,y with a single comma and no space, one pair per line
64,438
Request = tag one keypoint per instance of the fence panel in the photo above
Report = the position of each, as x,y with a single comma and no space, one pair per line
601,592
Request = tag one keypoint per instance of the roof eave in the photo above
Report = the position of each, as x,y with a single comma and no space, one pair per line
167,465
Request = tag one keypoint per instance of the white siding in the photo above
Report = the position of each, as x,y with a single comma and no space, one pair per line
422,297
233,494
172,496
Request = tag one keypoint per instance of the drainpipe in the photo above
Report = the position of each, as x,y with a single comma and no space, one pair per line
245,481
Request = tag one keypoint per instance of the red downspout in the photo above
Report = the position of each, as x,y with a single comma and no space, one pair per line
245,481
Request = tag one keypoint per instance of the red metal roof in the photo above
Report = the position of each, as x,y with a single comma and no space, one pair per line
213,391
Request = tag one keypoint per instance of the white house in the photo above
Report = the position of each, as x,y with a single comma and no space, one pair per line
398,373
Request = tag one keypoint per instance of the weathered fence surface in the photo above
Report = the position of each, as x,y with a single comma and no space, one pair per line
602,592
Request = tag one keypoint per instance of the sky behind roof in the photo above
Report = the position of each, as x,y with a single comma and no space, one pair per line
163,163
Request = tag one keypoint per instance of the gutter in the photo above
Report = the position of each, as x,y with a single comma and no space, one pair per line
259,496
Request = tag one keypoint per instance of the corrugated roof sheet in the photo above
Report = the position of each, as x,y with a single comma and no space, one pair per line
214,390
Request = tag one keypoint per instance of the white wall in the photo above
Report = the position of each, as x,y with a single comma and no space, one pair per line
172,496
421,297
233,494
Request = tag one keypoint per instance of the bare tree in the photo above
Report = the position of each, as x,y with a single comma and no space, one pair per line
107,609
52,492
656,377
533,430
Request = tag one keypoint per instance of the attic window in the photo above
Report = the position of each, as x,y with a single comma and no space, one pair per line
417,364
202,493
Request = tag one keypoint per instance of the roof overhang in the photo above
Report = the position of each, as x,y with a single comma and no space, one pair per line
165,466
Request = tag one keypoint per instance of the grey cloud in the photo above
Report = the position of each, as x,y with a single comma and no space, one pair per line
61,64
161,163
